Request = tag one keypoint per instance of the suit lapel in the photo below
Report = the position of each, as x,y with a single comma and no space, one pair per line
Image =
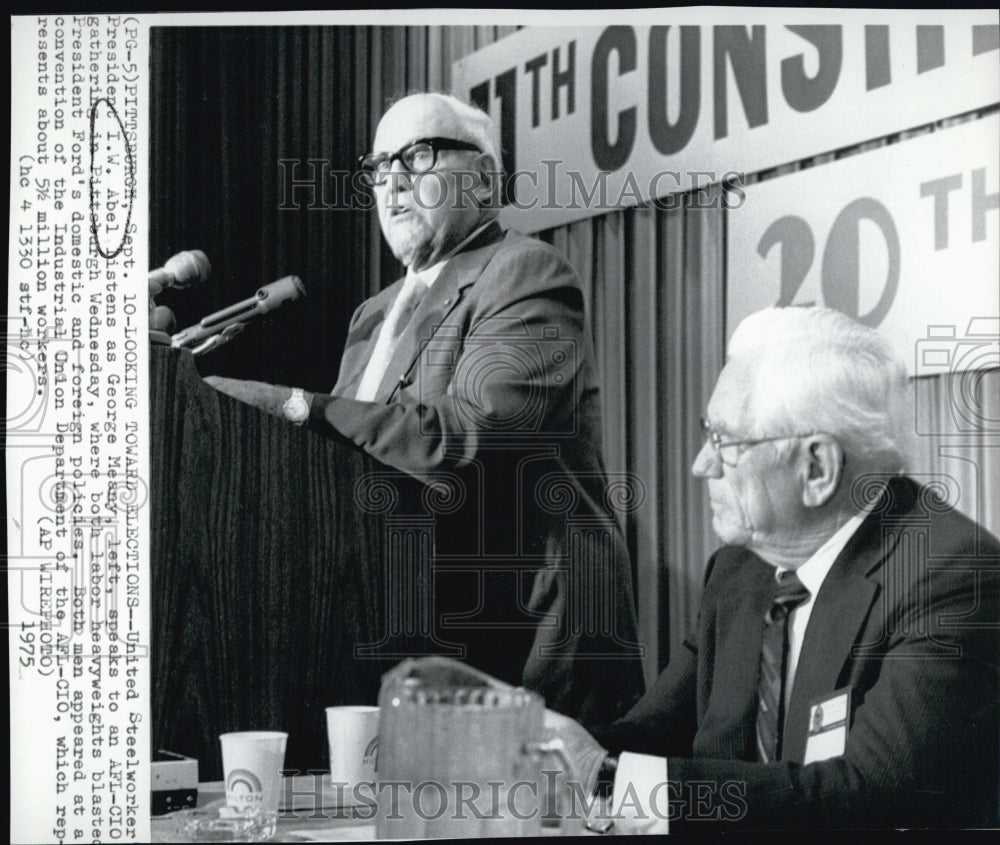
838,616
461,271
361,340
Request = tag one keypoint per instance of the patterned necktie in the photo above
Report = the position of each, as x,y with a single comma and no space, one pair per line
788,595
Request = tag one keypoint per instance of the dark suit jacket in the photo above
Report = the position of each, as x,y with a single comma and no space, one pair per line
492,389
907,619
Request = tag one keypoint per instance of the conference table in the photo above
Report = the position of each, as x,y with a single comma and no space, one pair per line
301,822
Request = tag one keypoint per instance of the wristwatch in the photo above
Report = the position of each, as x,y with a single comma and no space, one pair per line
296,408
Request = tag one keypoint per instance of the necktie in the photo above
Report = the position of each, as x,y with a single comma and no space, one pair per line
410,300
788,594
399,315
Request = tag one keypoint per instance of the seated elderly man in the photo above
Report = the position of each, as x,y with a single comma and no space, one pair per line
475,371
843,671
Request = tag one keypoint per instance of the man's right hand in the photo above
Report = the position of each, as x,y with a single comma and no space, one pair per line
267,397
585,753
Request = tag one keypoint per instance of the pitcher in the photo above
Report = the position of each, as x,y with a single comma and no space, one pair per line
460,755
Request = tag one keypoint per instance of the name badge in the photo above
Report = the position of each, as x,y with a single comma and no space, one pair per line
829,719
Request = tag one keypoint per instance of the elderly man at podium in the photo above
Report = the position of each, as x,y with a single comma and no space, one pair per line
475,372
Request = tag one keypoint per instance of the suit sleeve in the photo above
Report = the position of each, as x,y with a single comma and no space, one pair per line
664,721
530,302
923,746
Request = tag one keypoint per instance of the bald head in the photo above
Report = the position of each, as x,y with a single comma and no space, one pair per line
454,118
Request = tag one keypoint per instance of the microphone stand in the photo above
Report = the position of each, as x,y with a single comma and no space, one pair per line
216,340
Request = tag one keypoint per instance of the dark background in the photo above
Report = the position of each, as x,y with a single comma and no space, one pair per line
264,573
229,104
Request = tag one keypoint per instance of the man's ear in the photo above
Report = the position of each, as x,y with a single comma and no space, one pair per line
490,179
822,468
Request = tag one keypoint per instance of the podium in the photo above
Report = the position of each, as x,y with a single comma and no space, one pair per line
266,575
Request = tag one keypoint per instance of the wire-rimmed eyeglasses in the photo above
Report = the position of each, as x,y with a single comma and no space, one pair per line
418,157
735,447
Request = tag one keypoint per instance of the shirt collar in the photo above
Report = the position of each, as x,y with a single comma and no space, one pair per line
429,275
813,572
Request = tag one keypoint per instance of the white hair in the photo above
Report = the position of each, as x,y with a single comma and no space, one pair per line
816,370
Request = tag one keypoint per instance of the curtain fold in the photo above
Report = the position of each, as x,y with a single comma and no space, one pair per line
254,137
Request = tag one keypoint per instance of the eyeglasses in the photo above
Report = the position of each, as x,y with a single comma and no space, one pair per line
417,157
735,447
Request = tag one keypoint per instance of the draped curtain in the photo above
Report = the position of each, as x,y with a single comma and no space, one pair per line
229,104
653,280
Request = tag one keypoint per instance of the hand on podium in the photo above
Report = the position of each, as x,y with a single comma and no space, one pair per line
290,404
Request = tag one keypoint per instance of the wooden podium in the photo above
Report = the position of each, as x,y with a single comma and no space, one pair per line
266,574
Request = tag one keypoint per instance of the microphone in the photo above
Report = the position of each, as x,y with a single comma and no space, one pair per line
161,319
217,328
184,270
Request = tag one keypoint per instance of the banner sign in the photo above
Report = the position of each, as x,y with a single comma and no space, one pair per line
906,238
597,118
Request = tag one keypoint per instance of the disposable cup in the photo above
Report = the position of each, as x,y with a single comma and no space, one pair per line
352,732
252,762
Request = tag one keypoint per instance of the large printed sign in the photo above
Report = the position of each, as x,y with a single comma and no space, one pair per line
905,238
596,118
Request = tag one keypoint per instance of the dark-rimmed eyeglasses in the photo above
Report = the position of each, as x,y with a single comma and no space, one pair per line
418,157
729,451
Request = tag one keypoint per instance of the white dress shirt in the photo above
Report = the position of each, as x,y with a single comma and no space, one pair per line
812,574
